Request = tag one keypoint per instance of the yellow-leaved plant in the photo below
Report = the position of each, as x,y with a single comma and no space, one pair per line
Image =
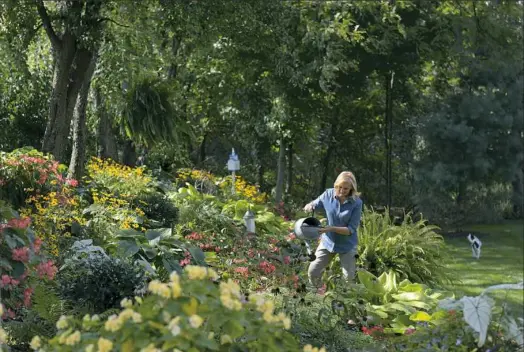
192,312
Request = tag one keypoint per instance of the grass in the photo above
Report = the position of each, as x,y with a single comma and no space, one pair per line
501,262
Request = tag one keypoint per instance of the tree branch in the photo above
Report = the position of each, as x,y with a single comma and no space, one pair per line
55,41
113,21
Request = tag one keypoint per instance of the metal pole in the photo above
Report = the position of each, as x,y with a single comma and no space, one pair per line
233,190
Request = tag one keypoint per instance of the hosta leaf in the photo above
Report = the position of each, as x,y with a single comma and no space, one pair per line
127,248
409,296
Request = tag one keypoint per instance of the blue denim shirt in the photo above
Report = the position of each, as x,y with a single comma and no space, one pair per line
346,214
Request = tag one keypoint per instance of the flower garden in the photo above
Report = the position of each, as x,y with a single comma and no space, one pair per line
123,260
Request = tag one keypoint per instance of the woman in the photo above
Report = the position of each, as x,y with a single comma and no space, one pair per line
343,209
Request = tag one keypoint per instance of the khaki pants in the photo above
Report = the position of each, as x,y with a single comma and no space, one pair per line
324,257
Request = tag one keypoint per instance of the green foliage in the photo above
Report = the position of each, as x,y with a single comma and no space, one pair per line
157,250
150,116
158,209
314,325
98,283
412,249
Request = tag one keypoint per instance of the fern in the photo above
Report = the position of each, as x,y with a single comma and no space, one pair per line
47,304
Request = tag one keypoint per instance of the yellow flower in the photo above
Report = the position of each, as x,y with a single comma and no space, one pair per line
113,323
195,272
126,303
73,339
3,336
225,339
174,327
62,323
176,290
90,348
159,288
104,345
1,309
195,321
36,343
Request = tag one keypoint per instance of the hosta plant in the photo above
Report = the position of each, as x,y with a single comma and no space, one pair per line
383,301
192,312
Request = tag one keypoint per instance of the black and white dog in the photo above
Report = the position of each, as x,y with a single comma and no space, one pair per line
475,245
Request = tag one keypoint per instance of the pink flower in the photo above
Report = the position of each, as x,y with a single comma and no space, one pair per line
287,259
409,331
20,254
291,236
242,270
37,244
71,182
5,280
19,223
27,296
266,267
47,269
185,261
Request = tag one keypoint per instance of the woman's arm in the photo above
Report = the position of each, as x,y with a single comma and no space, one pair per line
341,230
315,204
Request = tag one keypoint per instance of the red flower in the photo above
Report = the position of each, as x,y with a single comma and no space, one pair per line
242,270
71,182
266,267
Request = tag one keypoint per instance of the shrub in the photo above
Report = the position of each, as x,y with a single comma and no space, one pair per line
190,313
26,171
413,249
22,262
98,282
53,214
158,209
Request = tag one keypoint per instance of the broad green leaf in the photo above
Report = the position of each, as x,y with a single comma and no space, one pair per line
127,248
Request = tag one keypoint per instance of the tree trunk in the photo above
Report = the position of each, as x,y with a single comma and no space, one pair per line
388,133
129,154
517,197
289,184
107,148
63,59
203,149
280,171
70,65
325,168
78,155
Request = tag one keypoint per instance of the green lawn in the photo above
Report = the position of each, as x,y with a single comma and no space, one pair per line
501,261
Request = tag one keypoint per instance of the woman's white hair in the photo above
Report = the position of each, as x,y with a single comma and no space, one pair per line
348,177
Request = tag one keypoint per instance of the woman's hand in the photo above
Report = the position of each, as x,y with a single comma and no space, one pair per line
325,229
309,207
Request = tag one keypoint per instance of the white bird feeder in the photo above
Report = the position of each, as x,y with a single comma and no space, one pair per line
233,164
